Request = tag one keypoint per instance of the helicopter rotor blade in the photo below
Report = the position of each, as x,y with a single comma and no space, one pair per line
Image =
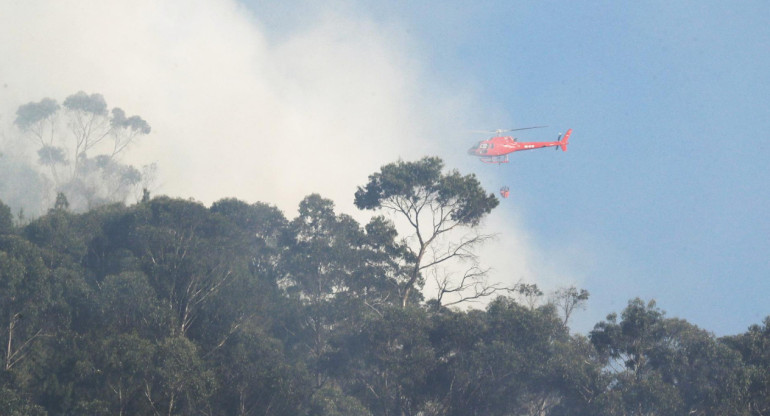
498,131
526,128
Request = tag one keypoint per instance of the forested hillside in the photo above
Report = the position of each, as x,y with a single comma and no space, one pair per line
171,307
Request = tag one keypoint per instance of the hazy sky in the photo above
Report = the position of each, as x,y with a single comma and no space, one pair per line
661,195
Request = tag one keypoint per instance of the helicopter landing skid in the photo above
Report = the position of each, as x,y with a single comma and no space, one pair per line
495,159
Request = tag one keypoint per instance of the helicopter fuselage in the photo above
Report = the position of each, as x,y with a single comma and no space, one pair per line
494,150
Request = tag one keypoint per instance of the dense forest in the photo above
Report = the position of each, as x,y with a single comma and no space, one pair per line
170,307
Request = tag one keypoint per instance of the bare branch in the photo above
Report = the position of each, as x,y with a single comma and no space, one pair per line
471,287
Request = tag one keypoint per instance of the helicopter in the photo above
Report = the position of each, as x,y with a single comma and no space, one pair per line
497,148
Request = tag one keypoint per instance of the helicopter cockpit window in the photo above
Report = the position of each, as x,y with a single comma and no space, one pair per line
482,145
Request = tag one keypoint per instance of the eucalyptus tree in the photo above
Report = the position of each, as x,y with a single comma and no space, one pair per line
568,299
434,205
320,259
253,232
186,255
387,362
127,304
666,366
754,349
336,272
6,219
255,377
514,366
14,404
25,299
178,381
123,368
79,143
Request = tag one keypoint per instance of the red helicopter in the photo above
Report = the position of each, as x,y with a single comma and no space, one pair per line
497,148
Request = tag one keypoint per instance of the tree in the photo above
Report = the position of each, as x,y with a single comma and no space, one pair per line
255,232
257,379
90,124
569,299
185,253
499,362
629,342
11,404
123,367
433,204
6,219
331,401
128,304
65,148
337,272
754,348
178,382
581,375
62,204
39,120
708,375
322,251
25,298
661,365
530,293
388,360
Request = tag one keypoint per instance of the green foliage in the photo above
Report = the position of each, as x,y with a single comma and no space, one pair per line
13,405
256,377
170,307
433,204
754,349
667,366
6,219
178,381
405,183
26,298
331,401
128,304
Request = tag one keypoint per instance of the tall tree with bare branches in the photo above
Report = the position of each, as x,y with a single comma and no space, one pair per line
434,204
79,144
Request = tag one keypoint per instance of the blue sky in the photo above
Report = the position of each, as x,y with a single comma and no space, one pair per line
665,180
662,194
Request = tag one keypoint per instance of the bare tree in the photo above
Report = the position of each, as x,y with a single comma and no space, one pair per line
434,205
470,284
569,299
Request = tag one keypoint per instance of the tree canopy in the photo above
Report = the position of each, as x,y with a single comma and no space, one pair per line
79,144
172,307
434,204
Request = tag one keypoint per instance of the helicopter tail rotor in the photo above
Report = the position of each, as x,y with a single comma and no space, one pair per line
563,142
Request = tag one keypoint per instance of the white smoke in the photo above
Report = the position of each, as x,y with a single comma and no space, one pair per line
231,114
234,114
